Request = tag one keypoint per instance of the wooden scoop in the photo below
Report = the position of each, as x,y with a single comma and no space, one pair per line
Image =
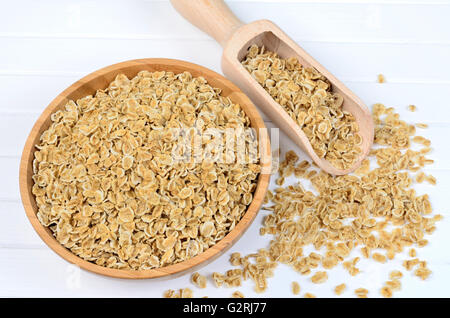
215,18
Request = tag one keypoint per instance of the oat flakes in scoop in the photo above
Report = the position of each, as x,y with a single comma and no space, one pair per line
306,96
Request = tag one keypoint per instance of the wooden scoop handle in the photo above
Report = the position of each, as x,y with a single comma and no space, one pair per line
211,16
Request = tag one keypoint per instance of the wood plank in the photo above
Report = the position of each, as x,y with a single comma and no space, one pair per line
362,21
9,186
17,231
42,89
347,61
47,275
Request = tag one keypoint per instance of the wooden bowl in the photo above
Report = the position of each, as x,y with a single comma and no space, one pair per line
100,80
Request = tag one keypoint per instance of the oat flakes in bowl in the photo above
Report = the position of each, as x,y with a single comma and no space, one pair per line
107,187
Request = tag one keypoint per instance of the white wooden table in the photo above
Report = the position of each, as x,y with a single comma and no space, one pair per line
46,45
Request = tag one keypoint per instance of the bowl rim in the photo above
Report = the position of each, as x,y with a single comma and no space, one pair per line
26,170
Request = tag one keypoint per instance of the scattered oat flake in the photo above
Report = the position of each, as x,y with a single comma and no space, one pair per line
339,289
170,293
394,284
431,179
379,257
409,264
422,273
319,277
186,293
421,125
386,292
412,108
309,295
422,140
235,259
198,280
182,293
422,243
365,251
361,292
381,78
420,177
237,294
390,254
395,274
295,288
